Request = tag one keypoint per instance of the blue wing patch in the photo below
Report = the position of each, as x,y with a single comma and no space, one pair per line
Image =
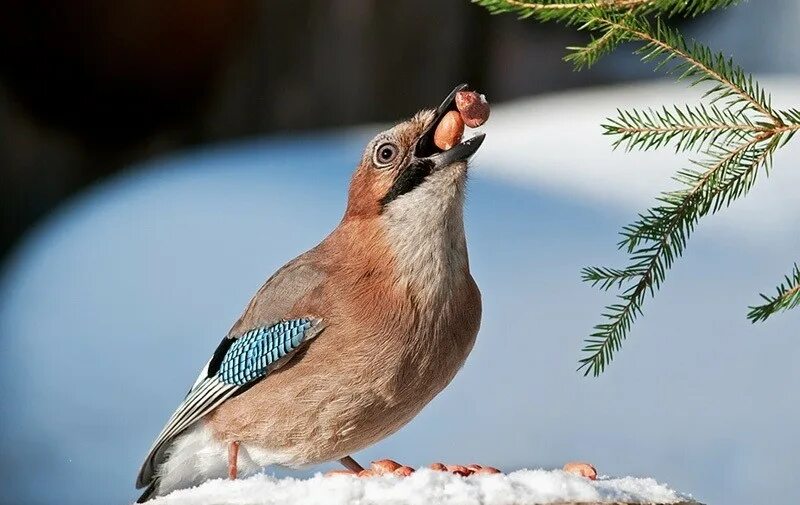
250,356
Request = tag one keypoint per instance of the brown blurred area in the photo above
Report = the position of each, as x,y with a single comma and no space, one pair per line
90,86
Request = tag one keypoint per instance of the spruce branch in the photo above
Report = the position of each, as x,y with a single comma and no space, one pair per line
734,128
688,128
664,45
571,11
787,297
586,56
568,11
660,236
738,139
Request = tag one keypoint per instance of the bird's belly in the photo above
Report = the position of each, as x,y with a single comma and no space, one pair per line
198,455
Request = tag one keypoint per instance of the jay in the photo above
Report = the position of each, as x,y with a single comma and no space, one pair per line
346,343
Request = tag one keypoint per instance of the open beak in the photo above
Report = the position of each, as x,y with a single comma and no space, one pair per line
427,149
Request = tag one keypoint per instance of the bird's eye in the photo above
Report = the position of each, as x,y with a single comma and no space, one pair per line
385,154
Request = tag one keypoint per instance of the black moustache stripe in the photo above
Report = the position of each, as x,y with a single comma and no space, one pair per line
408,179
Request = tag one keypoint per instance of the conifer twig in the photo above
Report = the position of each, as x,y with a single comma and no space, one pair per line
787,297
615,4
572,10
698,61
737,131
655,241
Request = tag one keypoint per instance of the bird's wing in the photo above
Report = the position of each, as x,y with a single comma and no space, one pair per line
237,364
259,343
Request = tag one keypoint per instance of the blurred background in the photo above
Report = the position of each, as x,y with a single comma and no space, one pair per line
148,150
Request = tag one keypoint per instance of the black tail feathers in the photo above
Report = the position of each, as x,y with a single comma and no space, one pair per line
150,492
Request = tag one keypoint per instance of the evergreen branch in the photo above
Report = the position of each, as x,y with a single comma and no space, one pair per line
660,236
688,127
569,10
605,278
787,297
696,62
738,140
588,55
558,10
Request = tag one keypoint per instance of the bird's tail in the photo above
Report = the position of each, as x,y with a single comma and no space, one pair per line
150,492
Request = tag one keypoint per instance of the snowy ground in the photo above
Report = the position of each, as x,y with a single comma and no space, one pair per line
525,487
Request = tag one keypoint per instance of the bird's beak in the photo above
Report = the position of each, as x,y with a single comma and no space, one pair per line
426,149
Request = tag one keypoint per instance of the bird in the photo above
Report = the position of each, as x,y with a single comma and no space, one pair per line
346,343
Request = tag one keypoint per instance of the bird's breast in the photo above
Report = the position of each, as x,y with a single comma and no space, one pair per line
400,319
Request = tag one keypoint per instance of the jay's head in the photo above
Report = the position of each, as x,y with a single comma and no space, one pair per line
403,172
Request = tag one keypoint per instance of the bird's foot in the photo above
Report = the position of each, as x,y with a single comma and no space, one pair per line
390,467
380,467
580,468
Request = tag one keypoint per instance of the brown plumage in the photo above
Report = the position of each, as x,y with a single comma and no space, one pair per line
399,314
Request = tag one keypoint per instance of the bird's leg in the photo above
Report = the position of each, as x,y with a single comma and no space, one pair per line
351,464
233,458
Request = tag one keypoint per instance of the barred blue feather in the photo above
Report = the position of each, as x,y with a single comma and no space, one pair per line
250,356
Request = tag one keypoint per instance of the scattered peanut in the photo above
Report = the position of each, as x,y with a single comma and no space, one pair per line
384,466
404,471
388,466
582,469
449,130
459,470
473,108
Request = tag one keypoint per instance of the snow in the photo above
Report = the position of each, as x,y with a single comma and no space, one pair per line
524,487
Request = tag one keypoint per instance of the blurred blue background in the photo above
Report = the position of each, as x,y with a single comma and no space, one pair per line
113,297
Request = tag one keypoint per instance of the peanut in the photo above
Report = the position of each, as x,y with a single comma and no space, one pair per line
473,108
582,469
404,471
449,131
459,470
487,470
384,466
